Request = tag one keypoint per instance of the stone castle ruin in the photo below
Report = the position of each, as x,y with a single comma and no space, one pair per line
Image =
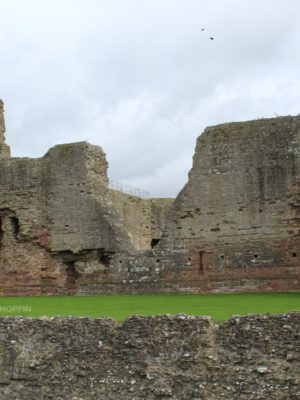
235,226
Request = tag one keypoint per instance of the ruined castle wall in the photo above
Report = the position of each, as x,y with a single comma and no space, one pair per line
241,180
234,226
79,215
54,213
26,267
135,271
176,357
160,209
23,192
144,219
237,218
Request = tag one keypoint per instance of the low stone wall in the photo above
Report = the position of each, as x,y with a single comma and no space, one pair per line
174,357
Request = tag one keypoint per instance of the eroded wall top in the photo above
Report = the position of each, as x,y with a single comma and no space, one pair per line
4,148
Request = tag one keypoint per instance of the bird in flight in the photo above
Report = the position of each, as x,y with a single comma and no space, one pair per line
211,38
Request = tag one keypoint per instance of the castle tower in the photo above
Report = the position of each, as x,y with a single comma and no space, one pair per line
4,148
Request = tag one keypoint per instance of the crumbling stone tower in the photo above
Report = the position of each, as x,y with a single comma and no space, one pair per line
4,148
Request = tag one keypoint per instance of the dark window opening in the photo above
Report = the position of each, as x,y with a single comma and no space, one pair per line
15,225
105,259
294,254
158,261
154,242
222,257
255,255
128,269
201,267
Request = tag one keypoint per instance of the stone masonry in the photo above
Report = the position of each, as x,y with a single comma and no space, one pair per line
233,227
4,149
164,357
237,218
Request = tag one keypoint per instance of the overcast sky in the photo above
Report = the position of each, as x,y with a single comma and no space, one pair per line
140,78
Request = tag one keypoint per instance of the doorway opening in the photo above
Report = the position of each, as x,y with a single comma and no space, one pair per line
154,242
72,277
201,266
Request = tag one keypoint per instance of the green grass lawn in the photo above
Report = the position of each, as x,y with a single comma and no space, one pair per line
219,306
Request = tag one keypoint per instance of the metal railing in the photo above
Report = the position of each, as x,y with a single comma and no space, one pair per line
121,187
